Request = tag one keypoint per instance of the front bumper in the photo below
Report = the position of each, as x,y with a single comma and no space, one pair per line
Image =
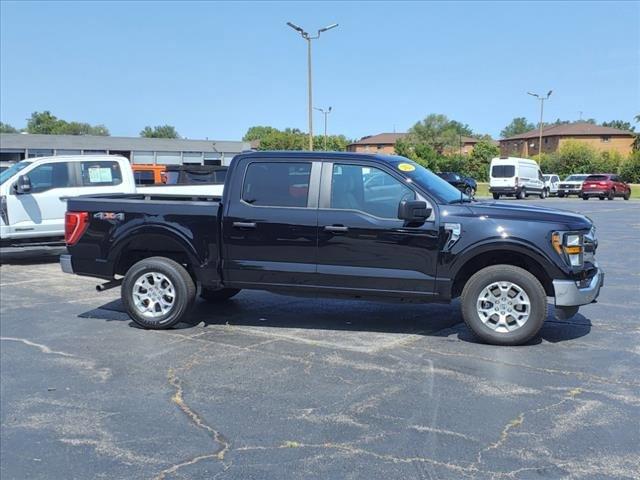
568,294
65,263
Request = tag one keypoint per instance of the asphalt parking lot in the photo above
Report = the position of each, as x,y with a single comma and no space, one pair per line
273,387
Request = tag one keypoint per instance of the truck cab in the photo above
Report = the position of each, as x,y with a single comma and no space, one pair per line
33,192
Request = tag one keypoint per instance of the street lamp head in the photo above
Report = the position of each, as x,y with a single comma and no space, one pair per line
330,109
533,94
549,94
296,28
328,27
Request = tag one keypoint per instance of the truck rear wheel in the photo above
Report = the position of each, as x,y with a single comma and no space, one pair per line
504,305
219,295
157,292
496,196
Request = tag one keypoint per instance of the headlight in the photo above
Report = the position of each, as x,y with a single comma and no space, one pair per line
570,246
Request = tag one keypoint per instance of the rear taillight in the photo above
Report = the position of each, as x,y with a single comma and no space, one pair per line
75,224
604,184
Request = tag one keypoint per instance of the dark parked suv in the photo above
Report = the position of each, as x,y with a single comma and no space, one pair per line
605,185
463,183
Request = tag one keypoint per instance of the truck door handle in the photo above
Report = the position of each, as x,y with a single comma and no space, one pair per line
336,228
244,225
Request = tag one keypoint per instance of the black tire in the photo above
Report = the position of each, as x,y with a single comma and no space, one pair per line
468,191
560,195
183,287
522,194
627,194
543,194
496,196
584,197
612,194
507,273
600,198
219,295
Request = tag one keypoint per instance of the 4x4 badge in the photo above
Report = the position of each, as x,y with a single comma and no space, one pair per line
109,216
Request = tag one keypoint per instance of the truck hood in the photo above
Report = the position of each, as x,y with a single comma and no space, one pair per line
531,213
572,182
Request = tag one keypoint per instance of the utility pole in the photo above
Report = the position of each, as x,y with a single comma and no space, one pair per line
325,113
308,38
542,99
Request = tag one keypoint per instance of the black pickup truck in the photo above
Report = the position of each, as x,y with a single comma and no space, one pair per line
342,225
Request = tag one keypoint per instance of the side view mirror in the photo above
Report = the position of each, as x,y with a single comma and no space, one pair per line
413,211
23,185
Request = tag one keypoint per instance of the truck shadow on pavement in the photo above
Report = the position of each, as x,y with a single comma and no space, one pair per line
435,320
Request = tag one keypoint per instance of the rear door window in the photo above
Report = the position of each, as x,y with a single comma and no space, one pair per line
503,171
277,184
100,173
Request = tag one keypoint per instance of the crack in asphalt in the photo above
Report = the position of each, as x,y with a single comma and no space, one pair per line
68,359
178,398
518,421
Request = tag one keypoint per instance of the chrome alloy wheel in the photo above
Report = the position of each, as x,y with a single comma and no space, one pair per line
153,294
503,306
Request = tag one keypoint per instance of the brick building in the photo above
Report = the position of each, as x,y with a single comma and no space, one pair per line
385,143
553,136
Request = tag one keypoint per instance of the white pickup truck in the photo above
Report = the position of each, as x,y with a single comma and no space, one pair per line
33,192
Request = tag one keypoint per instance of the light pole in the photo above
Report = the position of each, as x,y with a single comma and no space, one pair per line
542,99
325,113
308,38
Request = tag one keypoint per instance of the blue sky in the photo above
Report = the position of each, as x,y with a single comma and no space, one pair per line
214,69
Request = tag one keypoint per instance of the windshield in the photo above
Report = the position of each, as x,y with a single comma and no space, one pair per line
428,180
12,170
546,177
575,178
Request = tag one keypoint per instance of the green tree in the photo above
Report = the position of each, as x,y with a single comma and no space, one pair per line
478,162
517,126
288,139
48,124
620,125
258,132
160,131
460,128
437,132
335,143
420,153
44,123
6,128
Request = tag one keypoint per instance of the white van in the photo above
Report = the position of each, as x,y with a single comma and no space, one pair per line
33,192
519,177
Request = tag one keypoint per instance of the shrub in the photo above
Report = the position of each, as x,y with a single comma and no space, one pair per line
575,157
630,168
607,162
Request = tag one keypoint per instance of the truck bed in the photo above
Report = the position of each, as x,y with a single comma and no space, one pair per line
123,226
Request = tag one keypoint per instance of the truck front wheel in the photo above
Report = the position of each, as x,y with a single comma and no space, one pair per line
157,292
504,305
219,295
